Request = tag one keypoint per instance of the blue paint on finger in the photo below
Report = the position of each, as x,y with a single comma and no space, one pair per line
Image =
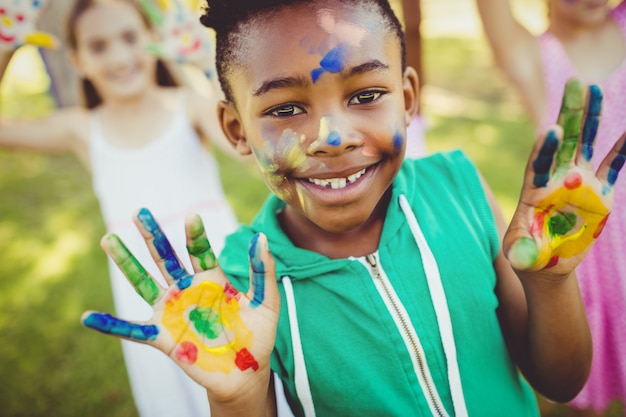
108,324
592,121
616,165
164,248
258,272
543,164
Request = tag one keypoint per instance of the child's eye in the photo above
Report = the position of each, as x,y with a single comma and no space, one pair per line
365,97
97,47
130,37
285,110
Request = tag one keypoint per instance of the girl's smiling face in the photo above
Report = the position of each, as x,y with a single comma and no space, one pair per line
322,102
111,49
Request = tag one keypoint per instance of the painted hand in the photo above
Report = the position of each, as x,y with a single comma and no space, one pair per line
183,38
217,335
17,25
564,205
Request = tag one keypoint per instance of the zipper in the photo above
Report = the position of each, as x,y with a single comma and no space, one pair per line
409,335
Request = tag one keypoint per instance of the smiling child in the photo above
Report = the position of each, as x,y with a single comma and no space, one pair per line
387,291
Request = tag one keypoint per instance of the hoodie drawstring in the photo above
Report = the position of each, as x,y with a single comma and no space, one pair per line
300,374
440,303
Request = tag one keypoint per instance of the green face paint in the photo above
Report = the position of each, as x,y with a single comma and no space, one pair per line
138,276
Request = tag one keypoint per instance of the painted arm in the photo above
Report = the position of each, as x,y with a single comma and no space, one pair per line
220,337
563,208
61,131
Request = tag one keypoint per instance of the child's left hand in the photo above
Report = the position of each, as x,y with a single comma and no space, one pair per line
17,25
564,205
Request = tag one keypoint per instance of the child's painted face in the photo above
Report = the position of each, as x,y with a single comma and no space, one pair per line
579,12
322,103
111,50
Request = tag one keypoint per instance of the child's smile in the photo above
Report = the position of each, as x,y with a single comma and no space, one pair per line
322,103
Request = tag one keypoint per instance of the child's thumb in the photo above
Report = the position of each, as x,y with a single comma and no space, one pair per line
263,286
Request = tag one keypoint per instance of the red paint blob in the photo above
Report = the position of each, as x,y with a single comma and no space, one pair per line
573,180
230,292
173,296
553,262
187,353
244,360
600,227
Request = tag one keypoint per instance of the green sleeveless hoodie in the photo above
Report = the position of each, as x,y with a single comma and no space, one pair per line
360,340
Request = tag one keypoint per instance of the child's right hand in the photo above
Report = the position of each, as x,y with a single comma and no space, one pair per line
220,337
17,25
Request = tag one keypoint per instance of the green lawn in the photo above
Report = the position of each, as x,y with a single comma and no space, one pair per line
52,269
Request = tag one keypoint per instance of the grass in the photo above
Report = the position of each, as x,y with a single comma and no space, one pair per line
52,268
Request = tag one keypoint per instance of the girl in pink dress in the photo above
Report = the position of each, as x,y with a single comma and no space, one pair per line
585,39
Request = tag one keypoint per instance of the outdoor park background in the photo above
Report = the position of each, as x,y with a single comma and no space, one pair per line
51,266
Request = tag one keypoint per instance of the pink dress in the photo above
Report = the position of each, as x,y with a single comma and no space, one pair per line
602,275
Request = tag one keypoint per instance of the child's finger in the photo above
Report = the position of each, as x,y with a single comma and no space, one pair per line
570,119
541,161
263,286
609,169
198,247
141,280
108,324
593,111
161,250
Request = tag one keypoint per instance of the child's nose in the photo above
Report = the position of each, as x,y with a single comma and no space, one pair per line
335,137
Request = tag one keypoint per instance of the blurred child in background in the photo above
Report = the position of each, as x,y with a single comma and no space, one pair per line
138,134
584,39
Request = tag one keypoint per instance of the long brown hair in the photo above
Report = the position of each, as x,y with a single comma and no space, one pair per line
91,98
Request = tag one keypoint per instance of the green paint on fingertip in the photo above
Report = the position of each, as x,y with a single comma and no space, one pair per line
524,253
200,247
133,270
574,95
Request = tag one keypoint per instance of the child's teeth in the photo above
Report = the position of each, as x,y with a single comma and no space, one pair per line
337,183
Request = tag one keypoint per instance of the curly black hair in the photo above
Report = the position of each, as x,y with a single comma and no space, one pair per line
228,17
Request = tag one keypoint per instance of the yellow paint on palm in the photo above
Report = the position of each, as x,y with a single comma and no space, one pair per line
584,212
206,324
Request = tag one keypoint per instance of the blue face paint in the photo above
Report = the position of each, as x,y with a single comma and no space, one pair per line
543,163
258,272
333,139
108,324
592,121
398,141
164,249
332,62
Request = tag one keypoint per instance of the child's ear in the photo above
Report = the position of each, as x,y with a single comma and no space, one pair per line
410,86
232,127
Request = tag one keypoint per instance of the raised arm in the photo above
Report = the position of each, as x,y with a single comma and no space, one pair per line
564,206
516,52
220,337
